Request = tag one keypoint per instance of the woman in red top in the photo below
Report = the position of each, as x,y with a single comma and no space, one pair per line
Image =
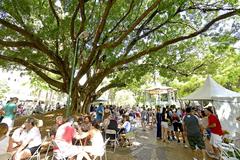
216,130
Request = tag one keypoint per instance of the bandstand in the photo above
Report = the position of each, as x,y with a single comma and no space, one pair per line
160,95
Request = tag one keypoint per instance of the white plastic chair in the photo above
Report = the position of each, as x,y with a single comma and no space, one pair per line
105,151
110,132
229,151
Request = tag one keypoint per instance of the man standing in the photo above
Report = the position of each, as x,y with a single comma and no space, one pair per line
159,121
99,112
144,118
9,113
216,131
193,131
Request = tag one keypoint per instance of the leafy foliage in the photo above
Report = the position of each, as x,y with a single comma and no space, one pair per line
109,39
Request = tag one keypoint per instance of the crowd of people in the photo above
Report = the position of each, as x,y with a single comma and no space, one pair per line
83,135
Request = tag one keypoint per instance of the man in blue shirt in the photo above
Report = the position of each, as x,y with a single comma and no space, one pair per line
99,112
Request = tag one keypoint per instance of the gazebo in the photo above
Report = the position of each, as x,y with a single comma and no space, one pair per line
162,95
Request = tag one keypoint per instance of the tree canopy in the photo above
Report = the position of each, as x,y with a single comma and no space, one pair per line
108,37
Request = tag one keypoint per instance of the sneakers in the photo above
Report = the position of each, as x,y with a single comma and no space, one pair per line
195,158
178,141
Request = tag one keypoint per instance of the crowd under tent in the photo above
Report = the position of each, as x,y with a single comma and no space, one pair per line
225,102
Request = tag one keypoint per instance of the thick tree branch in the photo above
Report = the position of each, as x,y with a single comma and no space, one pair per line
54,12
46,68
86,66
138,37
175,40
58,23
102,24
72,27
83,17
132,27
109,86
38,43
35,69
17,44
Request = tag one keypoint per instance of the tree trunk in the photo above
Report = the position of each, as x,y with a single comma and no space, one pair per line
85,103
74,101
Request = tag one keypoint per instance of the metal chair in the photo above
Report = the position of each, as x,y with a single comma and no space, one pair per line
110,132
37,154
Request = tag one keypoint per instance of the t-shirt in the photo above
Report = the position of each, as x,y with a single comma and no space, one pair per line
175,118
144,115
19,135
68,134
192,125
65,132
99,113
9,109
218,129
34,137
127,126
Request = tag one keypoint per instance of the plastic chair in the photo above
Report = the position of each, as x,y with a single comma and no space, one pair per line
105,151
229,152
110,132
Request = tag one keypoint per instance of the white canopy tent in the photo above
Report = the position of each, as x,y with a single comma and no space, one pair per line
210,91
226,103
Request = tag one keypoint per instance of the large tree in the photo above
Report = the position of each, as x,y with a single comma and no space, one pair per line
99,37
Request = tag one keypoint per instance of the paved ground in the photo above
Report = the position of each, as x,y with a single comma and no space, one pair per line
151,149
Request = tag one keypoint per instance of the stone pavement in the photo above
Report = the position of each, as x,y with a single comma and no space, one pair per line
151,149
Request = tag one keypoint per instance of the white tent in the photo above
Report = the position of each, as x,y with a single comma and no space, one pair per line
210,91
226,103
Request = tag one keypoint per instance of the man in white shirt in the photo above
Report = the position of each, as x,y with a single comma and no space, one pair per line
32,141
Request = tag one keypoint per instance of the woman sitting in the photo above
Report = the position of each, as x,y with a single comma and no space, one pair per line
126,126
97,144
124,130
85,127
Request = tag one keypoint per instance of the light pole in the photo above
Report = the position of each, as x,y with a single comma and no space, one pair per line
82,36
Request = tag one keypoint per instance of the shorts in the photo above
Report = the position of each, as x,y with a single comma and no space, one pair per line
196,141
177,127
33,149
9,122
164,124
215,140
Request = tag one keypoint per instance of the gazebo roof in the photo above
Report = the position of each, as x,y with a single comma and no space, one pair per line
160,90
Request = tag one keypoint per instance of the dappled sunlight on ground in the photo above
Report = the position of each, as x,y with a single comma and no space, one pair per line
144,146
